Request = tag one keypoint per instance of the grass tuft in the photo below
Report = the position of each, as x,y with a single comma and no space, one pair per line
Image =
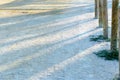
108,54
116,77
98,38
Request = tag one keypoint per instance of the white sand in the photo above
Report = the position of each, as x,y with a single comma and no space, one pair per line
53,45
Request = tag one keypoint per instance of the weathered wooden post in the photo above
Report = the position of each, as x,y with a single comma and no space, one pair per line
100,13
105,19
96,8
114,31
117,77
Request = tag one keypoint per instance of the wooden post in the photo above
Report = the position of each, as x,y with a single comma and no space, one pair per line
96,8
100,13
105,19
114,31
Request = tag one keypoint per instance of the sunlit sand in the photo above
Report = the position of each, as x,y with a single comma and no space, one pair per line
5,1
